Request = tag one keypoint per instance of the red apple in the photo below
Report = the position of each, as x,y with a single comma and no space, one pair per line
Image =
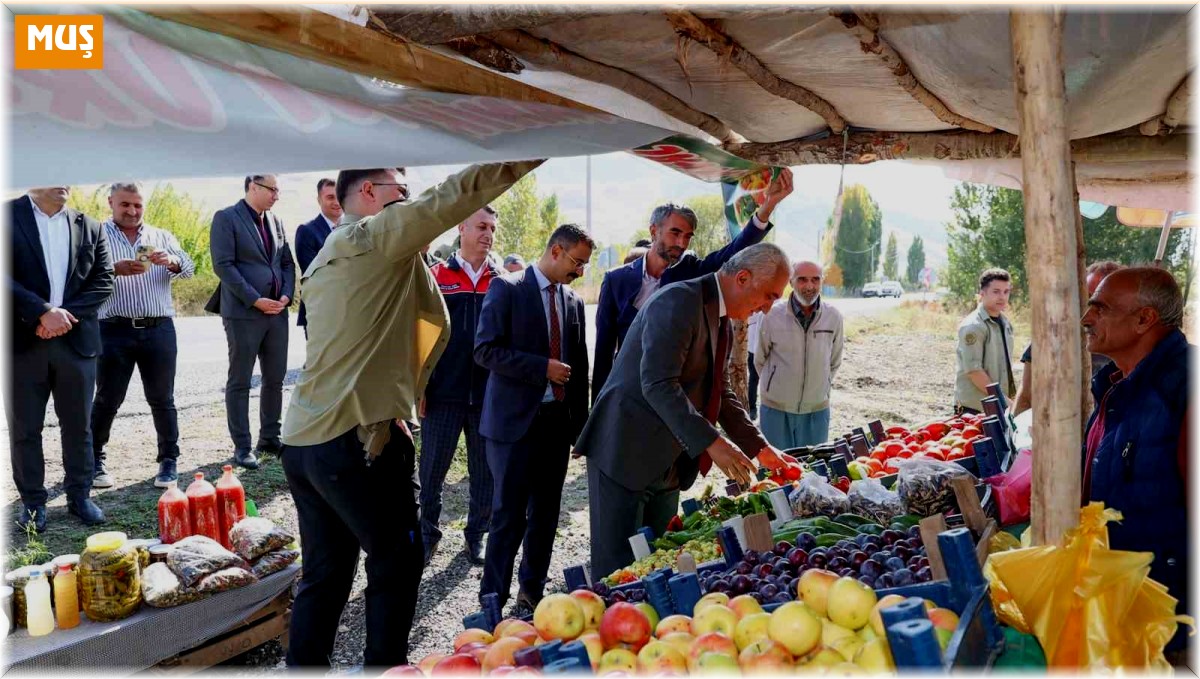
471,635
403,671
500,653
624,626
456,665
427,663
592,605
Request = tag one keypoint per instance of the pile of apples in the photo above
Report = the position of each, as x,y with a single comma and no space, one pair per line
945,440
833,628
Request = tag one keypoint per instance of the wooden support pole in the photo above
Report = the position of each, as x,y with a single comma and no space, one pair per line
694,28
1053,288
1085,393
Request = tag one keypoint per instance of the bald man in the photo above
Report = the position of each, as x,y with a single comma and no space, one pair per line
799,350
1136,448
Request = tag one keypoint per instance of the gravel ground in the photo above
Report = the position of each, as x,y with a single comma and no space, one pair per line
899,374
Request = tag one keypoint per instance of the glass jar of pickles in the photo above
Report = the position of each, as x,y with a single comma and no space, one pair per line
110,573
17,579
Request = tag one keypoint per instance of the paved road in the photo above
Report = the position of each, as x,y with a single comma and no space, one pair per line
203,362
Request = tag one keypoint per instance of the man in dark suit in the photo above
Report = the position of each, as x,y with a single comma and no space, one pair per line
61,274
667,260
531,337
311,235
653,426
251,256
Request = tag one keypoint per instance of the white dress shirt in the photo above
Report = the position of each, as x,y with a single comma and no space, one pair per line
55,234
650,283
148,294
471,272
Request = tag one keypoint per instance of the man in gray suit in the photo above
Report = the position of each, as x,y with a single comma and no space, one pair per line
251,256
653,426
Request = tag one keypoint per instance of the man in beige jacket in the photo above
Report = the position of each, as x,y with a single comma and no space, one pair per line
799,350
377,325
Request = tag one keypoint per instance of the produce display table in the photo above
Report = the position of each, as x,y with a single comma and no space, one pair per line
149,636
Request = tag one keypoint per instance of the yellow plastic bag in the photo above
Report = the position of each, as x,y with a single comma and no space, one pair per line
1089,606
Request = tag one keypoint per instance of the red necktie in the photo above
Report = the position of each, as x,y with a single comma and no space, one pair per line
713,407
555,341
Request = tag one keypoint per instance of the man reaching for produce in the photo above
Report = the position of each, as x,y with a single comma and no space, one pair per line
653,426
1135,453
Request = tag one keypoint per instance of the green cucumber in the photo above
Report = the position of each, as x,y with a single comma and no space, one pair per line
870,529
852,520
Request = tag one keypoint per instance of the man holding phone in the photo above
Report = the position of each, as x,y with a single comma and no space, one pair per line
137,329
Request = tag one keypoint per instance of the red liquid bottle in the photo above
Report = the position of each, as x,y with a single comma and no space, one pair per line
174,522
231,503
202,505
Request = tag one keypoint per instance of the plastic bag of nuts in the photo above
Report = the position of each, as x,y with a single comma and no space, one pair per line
273,562
254,536
815,497
224,580
869,498
924,485
196,556
161,588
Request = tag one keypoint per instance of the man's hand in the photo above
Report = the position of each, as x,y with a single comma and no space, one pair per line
558,372
163,259
780,188
285,301
268,306
780,463
130,267
732,461
55,323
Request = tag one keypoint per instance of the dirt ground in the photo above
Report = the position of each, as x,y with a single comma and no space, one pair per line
898,368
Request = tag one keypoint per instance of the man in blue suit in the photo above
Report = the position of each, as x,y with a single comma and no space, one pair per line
626,289
311,235
531,337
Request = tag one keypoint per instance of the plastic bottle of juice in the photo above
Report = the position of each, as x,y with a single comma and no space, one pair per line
174,522
202,508
231,502
66,598
37,601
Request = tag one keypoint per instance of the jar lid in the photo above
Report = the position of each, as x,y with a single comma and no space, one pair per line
106,542
19,574
158,550
65,560
143,543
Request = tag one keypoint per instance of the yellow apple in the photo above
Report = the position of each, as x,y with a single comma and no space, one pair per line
750,629
617,660
744,605
710,599
877,617
814,588
673,623
850,603
796,627
659,656
558,616
714,619
592,605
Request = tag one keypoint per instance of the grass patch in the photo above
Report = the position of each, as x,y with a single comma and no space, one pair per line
33,553
191,294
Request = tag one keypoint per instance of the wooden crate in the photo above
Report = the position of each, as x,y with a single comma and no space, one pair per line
267,623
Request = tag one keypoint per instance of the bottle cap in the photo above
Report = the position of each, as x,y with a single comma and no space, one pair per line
199,476
227,468
35,573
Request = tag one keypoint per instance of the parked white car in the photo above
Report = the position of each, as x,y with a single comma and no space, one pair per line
891,289
872,289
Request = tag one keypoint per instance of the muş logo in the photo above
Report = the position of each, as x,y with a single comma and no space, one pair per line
53,41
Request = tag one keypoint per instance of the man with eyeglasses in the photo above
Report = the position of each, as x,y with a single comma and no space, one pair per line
377,325
531,336
250,255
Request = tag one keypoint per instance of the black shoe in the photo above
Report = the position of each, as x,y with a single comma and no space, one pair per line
245,458
430,550
101,479
475,551
86,510
269,449
33,514
166,473
526,600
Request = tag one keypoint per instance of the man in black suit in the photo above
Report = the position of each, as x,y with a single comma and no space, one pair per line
311,235
654,425
250,255
61,275
531,337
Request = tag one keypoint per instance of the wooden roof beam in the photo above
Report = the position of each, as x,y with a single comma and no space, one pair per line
551,55
694,28
1176,113
869,147
872,43
435,26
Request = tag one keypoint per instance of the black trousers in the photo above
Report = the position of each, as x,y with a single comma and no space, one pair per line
344,504
50,367
265,340
752,388
529,477
615,513
153,351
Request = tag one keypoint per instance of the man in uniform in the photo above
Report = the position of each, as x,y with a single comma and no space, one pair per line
985,344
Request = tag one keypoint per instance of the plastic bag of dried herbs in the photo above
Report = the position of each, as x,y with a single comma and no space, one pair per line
273,562
815,497
224,580
161,588
869,498
254,536
197,556
924,485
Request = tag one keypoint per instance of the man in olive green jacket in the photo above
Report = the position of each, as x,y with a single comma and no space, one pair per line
985,345
377,324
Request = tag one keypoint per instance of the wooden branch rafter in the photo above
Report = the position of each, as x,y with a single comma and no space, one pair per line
1177,105
869,147
694,28
484,51
872,43
552,55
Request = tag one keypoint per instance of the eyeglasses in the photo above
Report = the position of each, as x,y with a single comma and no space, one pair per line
274,191
580,265
403,188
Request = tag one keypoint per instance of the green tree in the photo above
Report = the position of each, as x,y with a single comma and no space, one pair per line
855,252
550,214
711,233
875,237
526,220
891,260
916,260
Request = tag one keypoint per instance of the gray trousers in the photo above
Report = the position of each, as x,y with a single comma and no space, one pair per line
616,513
50,367
264,339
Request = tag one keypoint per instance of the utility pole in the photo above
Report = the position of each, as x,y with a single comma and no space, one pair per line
589,195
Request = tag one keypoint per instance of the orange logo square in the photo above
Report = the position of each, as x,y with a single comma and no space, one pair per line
57,41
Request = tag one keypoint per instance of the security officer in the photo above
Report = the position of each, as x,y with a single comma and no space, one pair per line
985,344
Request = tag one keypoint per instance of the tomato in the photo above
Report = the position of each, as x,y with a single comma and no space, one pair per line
970,432
879,455
792,473
893,449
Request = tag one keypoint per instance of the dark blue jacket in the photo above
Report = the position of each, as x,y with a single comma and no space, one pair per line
1135,469
512,342
309,239
621,286
457,377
